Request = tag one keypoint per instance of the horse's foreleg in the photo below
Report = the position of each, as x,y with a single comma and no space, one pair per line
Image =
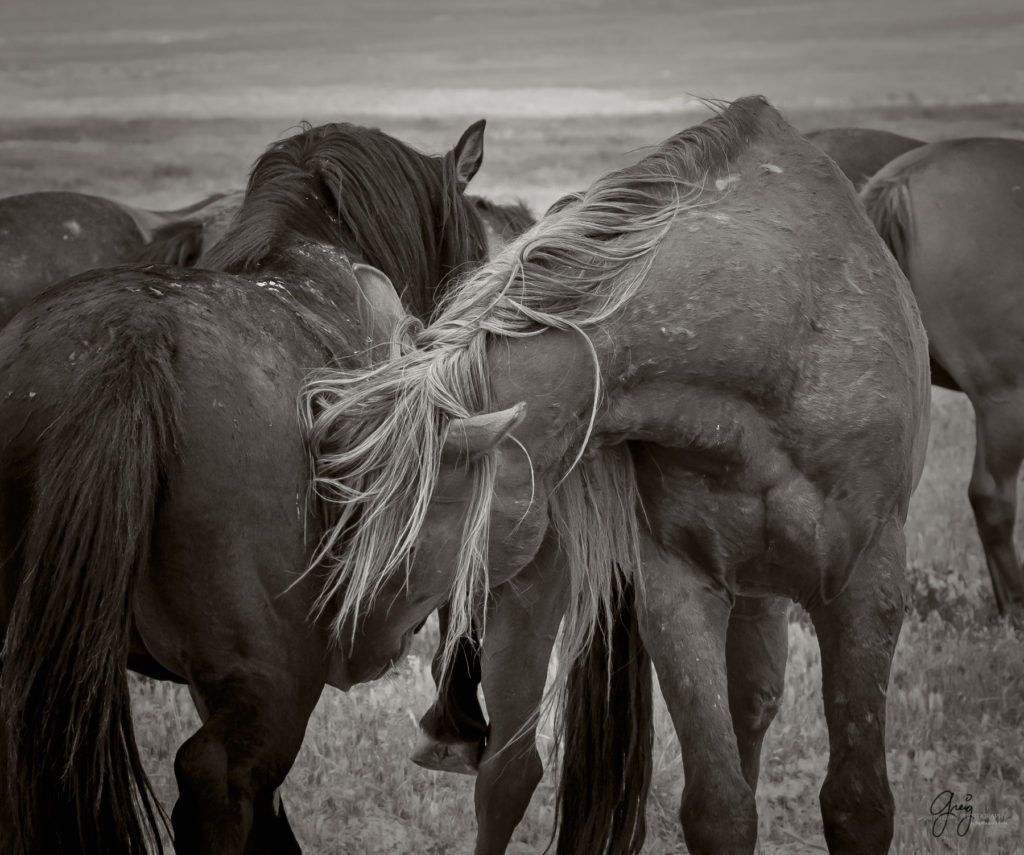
684,626
756,648
993,494
521,628
857,634
229,770
453,730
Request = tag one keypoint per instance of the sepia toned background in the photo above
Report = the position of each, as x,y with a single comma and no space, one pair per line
159,103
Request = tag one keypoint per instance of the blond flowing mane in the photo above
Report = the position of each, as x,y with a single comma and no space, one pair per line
376,435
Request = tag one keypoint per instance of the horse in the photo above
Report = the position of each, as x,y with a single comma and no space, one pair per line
861,152
187,242
952,213
702,383
50,235
504,222
153,482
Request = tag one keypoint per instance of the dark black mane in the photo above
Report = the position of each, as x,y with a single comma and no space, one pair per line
363,191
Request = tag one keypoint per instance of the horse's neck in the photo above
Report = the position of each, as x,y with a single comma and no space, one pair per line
554,374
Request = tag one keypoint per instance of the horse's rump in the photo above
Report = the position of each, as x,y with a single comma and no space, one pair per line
84,441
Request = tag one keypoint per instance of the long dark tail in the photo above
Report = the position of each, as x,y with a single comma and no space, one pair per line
887,201
178,243
608,740
75,782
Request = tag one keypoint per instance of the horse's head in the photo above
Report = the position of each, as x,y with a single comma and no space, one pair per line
487,512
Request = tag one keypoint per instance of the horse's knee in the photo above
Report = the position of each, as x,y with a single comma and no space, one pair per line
205,817
200,766
753,705
719,824
994,514
857,815
754,709
515,769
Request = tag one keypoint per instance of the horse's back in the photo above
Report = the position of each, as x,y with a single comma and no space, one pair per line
861,152
801,356
785,245
953,212
46,237
219,361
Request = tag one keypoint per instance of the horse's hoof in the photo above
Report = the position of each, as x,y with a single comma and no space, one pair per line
461,757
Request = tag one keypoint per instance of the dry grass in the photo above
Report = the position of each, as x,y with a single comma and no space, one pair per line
957,696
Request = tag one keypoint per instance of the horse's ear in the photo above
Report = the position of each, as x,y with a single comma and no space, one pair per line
470,437
381,308
469,153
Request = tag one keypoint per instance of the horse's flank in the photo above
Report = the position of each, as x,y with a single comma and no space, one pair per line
377,435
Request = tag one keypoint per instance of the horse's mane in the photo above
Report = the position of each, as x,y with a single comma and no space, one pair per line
508,220
377,435
363,191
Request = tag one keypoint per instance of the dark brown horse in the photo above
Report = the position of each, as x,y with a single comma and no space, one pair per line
953,215
704,380
187,242
153,483
46,237
861,152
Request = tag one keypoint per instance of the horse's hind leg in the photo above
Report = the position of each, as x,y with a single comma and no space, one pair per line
229,770
756,649
453,730
857,634
521,629
271,831
993,493
684,626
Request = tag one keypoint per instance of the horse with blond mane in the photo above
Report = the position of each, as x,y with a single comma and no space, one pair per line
696,389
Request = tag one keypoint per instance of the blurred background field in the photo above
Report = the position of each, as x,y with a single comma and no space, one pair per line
158,104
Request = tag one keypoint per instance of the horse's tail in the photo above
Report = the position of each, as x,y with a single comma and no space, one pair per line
90,477
607,741
178,243
887,201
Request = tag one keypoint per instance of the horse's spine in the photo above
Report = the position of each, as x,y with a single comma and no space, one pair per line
607,741
75,782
